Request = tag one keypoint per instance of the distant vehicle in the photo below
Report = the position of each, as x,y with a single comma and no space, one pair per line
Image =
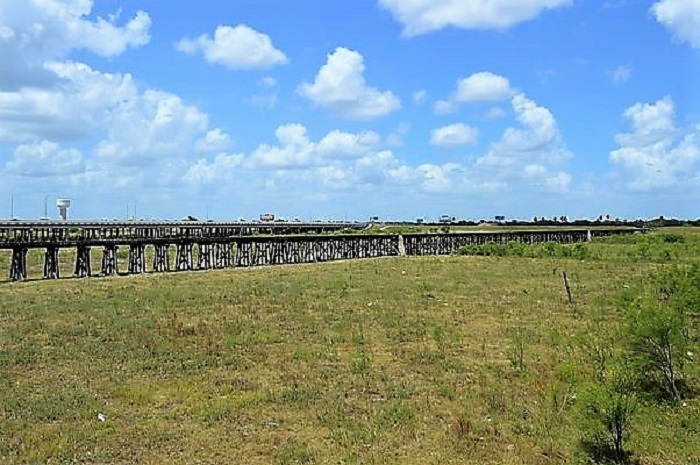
190,218
297,219
242,220
445,218
374,219
266,217
420,220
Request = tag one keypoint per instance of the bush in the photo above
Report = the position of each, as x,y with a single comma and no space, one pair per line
608,411
657,328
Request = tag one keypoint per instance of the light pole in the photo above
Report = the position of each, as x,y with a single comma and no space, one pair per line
46,207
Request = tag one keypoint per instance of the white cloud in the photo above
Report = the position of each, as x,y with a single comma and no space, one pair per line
154,126
681,17
454,134
45,159
559,182
222,169
340,87
422,16
656,154
483,86
620,74
338,161
69,112
338,144
214,140
239,47
530,151
296,150
34,32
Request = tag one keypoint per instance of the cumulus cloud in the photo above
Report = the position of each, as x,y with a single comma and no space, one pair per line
34,32
239,47
44,159
530,151
337,161
483,86
68,112
222,169
156,126
681,18
339,144
454,134
214,140
340,87
296,150
423,16
656,154
127,127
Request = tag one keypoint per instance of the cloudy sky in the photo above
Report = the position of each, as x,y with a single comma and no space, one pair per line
350,108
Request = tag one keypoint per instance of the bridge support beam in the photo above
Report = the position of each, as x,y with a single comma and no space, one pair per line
18,266
137,259
161,259
109,260
243,254
223,255
83,267
183,261
51,264
205,258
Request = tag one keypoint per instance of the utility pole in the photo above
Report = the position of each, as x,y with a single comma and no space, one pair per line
12,207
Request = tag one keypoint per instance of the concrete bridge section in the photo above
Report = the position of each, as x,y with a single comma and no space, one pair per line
203,252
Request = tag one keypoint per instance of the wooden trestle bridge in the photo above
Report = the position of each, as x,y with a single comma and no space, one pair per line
218,245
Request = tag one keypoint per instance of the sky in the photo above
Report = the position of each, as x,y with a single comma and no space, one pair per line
347,109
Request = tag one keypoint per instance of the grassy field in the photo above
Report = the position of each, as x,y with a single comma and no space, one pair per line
465,359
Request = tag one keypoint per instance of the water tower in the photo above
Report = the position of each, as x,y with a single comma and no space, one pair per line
63,205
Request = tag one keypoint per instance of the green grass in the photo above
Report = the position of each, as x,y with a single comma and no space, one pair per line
400,360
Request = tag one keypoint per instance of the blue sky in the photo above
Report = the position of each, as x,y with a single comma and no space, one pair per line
350,108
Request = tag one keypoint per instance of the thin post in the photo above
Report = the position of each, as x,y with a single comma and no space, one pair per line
567,287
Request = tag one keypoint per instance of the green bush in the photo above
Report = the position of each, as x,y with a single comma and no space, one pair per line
658,328
608,411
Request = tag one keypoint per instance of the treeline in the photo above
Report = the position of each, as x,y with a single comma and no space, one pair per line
659,222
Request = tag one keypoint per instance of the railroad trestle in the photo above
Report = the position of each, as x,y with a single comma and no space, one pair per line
198,252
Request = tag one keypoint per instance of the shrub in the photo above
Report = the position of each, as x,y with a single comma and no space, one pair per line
657,328
608,411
